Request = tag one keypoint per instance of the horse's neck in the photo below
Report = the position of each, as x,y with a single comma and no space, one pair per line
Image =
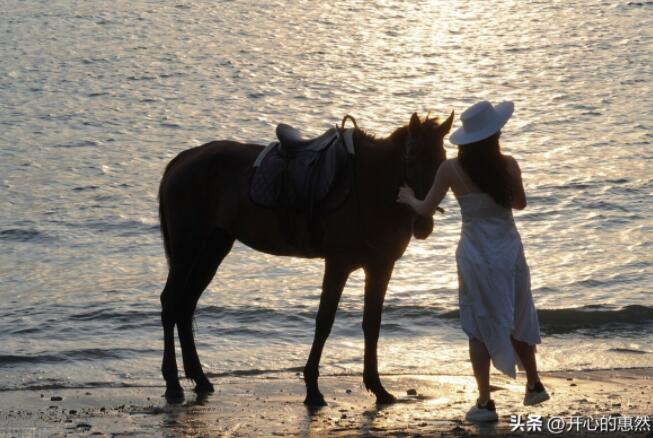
379,173
380,149
380,160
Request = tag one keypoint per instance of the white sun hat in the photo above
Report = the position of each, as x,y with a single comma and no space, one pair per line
481,121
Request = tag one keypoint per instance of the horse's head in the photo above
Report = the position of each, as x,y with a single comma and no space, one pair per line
423,154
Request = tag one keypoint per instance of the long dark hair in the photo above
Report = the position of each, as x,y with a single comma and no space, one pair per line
486,166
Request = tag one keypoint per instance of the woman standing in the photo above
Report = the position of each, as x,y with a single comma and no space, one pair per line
496,306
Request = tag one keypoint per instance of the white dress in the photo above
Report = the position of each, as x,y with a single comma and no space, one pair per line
494,281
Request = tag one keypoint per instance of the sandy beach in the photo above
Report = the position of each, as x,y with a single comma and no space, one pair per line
429,406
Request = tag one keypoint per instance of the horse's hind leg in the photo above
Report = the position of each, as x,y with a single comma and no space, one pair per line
204,267
174,392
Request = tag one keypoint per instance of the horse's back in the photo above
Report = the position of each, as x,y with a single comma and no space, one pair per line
220,154
202,184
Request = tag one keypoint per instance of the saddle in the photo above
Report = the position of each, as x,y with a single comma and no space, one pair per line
308,177
303,174
291,140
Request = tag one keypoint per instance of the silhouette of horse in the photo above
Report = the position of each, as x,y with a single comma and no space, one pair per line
204,206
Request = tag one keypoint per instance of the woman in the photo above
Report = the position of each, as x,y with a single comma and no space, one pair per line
496,307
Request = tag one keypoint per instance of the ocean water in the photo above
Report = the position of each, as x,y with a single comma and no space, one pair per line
96,97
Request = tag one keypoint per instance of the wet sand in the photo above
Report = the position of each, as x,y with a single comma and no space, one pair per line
273,407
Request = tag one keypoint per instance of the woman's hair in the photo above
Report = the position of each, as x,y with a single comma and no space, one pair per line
486,166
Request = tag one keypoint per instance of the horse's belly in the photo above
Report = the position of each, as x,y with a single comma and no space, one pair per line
277,247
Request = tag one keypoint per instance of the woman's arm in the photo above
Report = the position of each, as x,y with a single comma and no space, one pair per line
437,192
519,196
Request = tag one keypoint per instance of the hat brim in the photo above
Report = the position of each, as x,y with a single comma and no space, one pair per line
461,137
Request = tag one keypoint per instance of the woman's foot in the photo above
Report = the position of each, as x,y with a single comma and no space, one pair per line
482,412
535,394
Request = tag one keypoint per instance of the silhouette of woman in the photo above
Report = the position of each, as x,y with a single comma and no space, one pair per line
496,306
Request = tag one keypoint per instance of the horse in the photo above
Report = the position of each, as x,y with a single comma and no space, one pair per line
204,207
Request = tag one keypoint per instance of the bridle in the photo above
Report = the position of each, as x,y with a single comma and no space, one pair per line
409,166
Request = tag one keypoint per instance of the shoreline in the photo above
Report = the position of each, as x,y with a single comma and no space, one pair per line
273,406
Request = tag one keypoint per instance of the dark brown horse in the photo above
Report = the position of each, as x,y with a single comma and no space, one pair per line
204,207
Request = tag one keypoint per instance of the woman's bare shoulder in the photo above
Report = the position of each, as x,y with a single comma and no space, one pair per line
449,163
447,166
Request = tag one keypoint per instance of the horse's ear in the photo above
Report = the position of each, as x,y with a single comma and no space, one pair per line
445,127
414,124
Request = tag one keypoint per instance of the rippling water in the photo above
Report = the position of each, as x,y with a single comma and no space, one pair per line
96,97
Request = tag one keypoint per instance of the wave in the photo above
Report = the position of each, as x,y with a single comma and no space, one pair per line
640,4
23,235
262,322
120,226
55,385
256,372
71,355
77,144
594,316
628,351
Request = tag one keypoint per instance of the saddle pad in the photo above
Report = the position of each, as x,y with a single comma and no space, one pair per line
307,180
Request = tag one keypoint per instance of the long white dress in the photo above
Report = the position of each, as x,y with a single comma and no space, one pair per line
494,281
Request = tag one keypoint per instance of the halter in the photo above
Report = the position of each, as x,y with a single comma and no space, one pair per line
409,162
409,165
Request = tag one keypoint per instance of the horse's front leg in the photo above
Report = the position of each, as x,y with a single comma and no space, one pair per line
376,284
335,277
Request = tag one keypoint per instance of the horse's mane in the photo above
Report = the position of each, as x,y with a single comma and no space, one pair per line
374,139
394,138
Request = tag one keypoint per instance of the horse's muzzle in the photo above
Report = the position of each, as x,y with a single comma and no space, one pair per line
422,227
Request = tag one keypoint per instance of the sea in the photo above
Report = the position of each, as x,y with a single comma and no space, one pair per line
96,97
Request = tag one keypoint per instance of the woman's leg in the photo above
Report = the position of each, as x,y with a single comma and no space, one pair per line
481,364
526,321
526,353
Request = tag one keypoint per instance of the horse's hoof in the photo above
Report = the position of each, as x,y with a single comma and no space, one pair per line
174,395
315,401
385,398
204,388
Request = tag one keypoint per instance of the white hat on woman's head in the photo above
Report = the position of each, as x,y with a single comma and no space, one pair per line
482,120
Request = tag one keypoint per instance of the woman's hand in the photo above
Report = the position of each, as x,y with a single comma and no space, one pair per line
406,195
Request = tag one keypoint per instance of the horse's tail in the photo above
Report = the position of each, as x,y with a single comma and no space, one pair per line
164,229
162,216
